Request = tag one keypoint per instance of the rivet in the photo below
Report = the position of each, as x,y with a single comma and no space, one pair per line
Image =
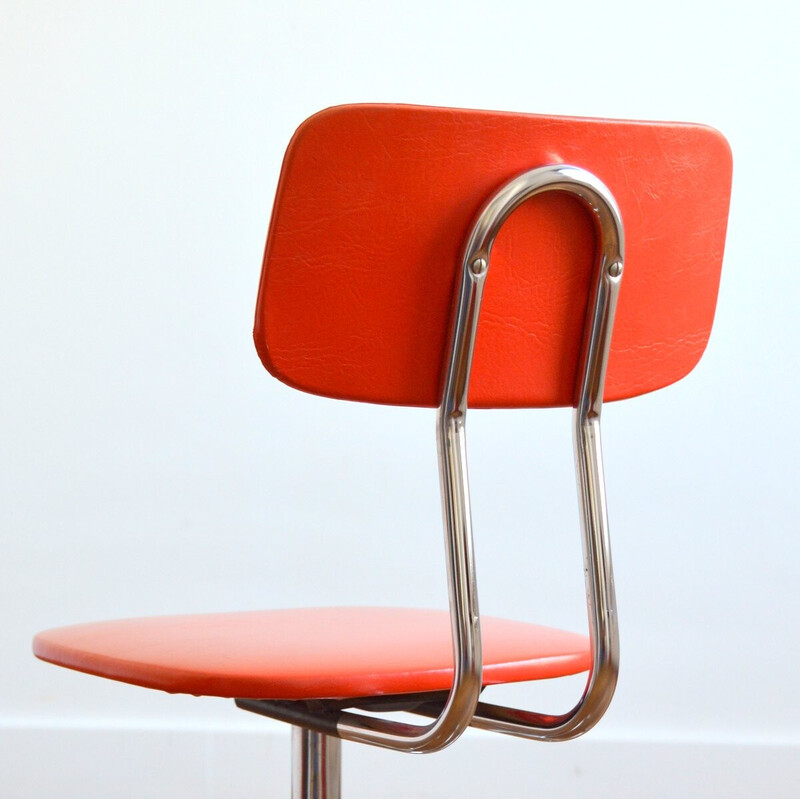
478,266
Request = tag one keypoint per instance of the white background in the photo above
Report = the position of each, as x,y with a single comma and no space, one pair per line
150,465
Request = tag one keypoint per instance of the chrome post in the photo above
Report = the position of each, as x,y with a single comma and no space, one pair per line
316,764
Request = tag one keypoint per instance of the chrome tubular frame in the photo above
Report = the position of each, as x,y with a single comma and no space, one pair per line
588,455
461,707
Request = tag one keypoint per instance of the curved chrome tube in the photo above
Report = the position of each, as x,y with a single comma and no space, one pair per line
462,707
588,455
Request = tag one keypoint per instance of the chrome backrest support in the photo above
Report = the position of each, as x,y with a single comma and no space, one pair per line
462,707
588,455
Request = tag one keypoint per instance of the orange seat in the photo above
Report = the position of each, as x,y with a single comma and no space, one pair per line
377,262
306,653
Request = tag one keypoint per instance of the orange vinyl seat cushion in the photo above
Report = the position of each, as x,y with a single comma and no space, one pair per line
306,653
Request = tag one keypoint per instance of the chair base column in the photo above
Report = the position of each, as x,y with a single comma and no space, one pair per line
316,764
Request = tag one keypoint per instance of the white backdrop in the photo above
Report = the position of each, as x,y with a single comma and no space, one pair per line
152,466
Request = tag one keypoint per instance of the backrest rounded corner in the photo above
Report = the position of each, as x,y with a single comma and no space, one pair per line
720,137
264,356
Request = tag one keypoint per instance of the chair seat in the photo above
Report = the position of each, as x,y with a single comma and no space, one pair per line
306,653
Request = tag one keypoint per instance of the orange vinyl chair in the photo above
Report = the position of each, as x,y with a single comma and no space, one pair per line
390,225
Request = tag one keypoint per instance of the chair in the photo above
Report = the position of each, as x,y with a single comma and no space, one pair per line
385,224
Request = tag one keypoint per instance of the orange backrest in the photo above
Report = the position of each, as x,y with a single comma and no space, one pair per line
372,209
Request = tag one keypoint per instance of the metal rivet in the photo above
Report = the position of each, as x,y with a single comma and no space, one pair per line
478,266
615,269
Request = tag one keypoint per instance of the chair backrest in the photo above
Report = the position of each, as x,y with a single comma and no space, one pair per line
373,207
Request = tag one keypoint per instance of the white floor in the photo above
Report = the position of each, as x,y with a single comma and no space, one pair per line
48,760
